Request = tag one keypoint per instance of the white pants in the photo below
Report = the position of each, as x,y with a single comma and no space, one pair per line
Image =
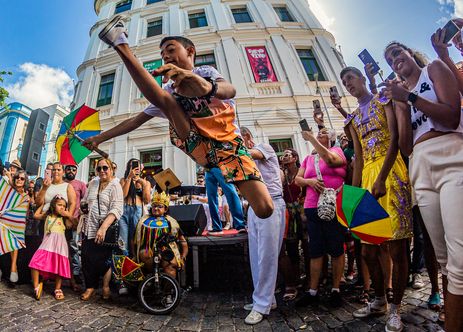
436,173
265,237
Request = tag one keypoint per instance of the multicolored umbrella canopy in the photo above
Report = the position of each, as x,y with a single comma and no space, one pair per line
79,125
126,269
13,210
361,213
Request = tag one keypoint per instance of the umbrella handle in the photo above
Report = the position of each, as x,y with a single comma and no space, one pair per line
101,153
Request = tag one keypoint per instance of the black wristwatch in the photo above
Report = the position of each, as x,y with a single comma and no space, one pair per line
412,97
213,91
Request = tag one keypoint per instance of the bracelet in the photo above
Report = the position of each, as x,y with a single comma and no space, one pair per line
213,91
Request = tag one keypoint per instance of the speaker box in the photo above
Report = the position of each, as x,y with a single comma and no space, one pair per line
34,141
191,218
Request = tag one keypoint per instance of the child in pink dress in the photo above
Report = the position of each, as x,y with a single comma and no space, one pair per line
52,257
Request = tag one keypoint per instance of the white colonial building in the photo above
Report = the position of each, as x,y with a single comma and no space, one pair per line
276,53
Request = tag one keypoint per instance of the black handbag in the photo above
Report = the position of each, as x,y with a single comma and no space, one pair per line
111,238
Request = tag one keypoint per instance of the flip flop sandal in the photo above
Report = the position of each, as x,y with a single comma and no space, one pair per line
434,302
290,294
364,297
87,296
38,291
59,294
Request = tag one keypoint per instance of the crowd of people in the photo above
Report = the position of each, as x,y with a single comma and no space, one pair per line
403,143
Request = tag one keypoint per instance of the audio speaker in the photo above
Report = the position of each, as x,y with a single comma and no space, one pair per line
191,218
34,141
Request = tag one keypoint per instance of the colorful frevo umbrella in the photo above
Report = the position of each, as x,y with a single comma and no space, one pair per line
126,269
79,125
13,210
361,213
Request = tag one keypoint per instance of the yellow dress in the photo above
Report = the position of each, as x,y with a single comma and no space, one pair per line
370,124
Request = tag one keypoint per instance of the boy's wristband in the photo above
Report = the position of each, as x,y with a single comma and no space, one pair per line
213,91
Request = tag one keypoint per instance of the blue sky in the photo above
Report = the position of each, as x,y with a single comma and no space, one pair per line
51,36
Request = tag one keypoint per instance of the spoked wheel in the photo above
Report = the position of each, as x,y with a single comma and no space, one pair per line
161,297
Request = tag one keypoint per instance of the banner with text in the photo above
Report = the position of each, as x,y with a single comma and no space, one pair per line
260,64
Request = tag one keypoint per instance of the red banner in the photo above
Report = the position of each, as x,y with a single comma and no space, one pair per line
260,64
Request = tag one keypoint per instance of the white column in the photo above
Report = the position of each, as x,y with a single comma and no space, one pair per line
118,154
267,14
293,74
219,12
232,56
176,21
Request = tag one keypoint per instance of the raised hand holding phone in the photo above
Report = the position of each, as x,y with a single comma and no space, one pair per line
366,58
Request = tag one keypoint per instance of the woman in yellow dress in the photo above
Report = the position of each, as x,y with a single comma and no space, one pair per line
379,168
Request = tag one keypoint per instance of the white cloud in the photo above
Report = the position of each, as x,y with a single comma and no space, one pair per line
42,86
320,13
456,8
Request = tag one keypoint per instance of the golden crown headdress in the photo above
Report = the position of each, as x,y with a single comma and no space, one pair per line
160,198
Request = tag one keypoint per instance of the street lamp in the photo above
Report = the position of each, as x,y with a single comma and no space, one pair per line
318,91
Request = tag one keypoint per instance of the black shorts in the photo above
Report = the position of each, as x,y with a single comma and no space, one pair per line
325,237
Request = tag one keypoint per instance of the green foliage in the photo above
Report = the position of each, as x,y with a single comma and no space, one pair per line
3,92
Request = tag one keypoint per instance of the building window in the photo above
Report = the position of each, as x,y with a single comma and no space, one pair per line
152,162
105,92
149,2
283,14
42,126
197,20
154,28
241,15
35,156
205,60
123,6
280,145
310,64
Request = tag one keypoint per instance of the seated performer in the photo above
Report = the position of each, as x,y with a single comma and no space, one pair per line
156,226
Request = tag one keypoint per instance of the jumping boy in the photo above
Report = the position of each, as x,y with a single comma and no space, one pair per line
198,103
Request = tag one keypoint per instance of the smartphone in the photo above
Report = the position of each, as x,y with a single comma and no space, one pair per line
451,30
316,106
366,58
304,125
48,174
135,164
334,92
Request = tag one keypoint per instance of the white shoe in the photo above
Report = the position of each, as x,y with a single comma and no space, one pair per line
14,277
394,323
115,32
248,307
369,310
254,318
169,300
227,226
417,281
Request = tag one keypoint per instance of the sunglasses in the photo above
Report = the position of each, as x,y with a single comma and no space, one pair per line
100,168
21,178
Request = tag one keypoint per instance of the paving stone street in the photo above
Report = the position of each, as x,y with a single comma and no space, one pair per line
198,311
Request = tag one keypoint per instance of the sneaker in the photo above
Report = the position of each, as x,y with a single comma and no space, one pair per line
14,277
253,318
307,299
123,290
369,310
248,307
335,299
227,226
242,231
417,281
113,31
169,300
394,323
215,232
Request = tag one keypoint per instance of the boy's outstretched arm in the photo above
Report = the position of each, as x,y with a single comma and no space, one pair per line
122,128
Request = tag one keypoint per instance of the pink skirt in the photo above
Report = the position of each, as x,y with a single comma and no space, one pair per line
52,257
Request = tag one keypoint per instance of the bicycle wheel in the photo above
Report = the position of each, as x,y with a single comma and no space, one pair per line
159,298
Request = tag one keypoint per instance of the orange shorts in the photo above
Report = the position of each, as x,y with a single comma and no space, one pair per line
231,157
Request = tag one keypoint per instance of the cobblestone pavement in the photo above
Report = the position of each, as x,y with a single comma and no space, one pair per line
198,311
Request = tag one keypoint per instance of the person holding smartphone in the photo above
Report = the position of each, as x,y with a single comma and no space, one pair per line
430,128
136,192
